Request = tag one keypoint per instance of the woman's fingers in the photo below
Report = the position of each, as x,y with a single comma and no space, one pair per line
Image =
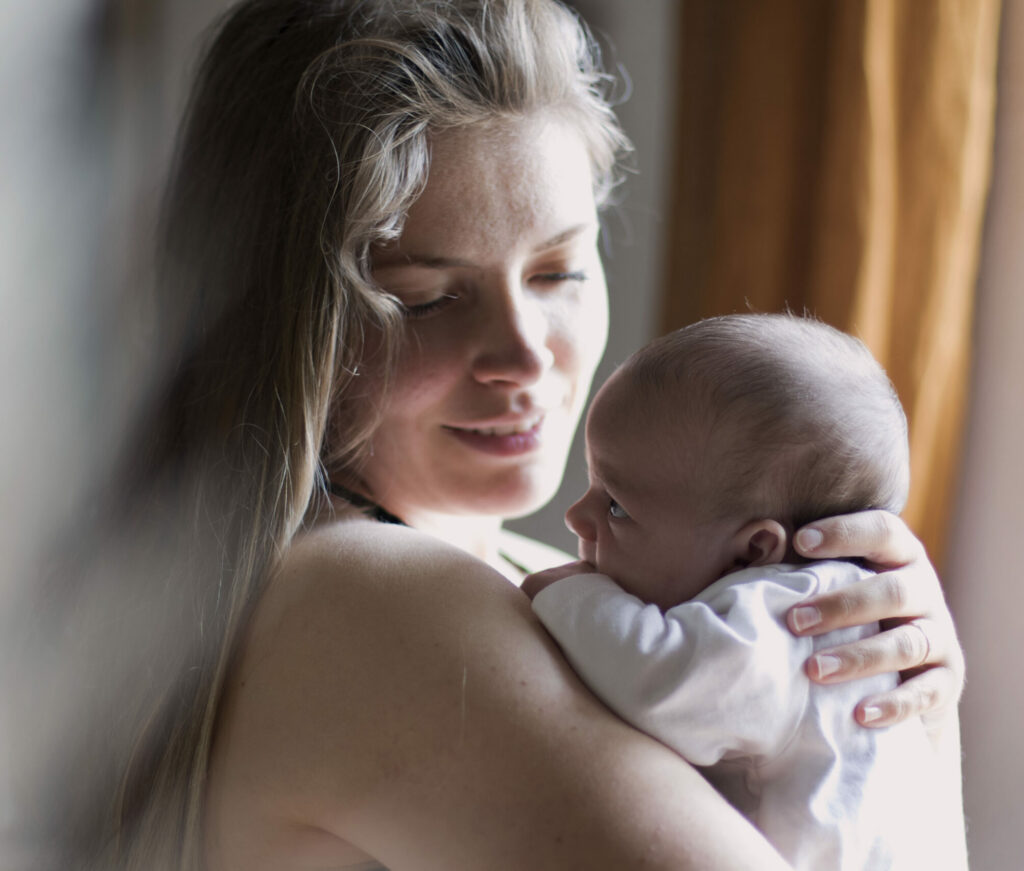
919,629
930,695
905,647
924,651
918,639
878,597
879,537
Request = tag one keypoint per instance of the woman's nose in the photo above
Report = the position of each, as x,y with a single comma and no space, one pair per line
514,346
578,520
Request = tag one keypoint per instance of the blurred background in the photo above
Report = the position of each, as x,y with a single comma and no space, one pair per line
860,159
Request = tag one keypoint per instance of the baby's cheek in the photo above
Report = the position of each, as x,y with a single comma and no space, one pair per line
614,562
636,569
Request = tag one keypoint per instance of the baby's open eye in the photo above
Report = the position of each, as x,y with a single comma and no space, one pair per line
616,510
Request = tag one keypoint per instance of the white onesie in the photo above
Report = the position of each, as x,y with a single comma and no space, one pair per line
720,679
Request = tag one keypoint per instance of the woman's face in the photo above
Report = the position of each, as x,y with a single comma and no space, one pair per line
506,320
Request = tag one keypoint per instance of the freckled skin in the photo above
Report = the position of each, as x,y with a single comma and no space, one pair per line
505,341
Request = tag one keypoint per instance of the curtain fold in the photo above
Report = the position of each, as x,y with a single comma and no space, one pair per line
834,158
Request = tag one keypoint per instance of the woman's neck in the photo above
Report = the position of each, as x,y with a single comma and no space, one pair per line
479,536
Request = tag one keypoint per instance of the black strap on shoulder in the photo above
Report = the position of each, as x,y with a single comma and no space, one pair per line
369,507
382,515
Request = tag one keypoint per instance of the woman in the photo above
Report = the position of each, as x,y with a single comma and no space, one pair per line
386,306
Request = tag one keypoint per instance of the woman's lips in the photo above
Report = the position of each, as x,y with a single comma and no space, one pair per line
506,440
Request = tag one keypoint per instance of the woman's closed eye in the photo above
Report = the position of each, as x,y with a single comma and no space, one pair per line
558,277
418,311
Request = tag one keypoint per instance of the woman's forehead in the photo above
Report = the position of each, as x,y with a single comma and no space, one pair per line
514,182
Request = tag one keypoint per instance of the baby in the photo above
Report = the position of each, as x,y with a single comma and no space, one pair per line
706,450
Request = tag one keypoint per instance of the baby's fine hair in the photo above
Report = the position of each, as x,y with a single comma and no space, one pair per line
799,419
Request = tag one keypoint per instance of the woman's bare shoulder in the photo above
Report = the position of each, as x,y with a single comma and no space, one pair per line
361,624
369,617
359,549
349,638
362,575
399,694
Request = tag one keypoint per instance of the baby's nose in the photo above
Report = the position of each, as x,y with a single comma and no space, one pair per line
577,519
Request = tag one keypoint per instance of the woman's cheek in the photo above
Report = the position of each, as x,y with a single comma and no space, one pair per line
590,320
579,330
425,363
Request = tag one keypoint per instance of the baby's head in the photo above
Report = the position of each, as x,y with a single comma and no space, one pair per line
710,446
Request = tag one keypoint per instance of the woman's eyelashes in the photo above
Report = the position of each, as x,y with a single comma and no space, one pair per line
417,311
578,275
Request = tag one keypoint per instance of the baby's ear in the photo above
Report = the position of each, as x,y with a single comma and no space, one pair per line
759,543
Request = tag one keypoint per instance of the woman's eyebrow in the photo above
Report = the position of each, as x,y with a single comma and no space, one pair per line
396,259
564,236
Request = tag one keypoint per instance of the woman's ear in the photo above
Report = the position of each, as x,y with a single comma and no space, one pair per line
759,543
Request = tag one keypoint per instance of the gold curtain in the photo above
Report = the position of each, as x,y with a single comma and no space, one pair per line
834,157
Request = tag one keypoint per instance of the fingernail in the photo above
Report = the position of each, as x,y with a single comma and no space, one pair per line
809,539
870,713
827,665
805,617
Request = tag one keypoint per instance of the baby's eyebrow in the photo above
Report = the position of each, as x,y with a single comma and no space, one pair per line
607,476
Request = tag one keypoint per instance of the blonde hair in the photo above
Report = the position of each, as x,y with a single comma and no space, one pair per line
798,419
306,139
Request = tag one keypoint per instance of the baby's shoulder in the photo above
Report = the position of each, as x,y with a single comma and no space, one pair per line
827,574
782,583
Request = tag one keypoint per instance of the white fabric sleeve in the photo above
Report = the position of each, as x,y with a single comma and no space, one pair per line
716,677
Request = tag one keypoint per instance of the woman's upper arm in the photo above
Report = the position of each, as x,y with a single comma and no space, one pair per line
412,705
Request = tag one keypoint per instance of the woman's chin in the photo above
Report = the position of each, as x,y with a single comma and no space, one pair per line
514,496
529,499
464,491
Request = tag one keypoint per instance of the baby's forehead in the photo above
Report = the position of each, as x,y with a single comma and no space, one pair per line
649,429
625,402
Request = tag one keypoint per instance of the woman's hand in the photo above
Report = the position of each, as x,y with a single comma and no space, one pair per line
917,638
